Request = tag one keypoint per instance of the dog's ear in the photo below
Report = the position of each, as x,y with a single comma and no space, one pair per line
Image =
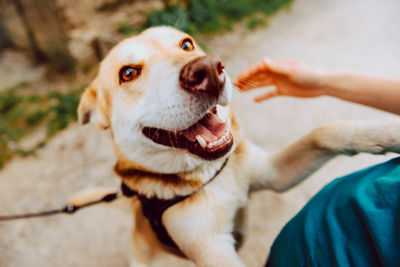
89,109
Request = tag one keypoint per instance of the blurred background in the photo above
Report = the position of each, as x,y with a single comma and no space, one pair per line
50,51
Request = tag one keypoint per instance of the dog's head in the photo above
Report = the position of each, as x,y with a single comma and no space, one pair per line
164,100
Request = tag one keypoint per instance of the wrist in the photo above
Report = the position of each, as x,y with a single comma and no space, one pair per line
332,82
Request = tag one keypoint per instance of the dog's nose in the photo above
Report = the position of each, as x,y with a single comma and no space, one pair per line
203,75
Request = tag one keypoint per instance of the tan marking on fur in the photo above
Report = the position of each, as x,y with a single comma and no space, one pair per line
105,110
88,102
159,47
134,177
89,195
197,198
235,125
106,105
179,59
125,163
241,152
142,176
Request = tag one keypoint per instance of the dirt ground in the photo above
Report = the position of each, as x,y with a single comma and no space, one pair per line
352,34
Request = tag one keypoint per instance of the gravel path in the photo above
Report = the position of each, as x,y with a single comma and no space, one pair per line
354,34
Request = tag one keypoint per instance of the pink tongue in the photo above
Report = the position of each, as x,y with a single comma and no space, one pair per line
210,128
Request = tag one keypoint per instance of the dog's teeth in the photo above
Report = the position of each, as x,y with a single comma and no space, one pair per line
210,145
201,141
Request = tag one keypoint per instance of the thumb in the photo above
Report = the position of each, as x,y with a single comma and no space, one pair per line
280,66
268,95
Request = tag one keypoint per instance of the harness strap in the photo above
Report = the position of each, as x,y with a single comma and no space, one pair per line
153,208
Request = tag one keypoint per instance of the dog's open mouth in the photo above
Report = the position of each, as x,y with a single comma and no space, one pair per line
208,138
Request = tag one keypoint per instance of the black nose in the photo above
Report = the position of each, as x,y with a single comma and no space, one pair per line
203,75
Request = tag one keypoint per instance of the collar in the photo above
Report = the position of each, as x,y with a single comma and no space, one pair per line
173,178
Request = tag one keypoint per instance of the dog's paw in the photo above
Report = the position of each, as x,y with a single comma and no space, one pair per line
354,137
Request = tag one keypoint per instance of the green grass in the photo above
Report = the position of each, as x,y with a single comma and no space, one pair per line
126,29
22,113
210,16
254,22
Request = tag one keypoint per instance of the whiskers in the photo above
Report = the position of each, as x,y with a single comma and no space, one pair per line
156,134
170,139
246,82
178,21
236,89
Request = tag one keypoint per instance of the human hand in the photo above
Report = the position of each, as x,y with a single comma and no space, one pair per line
290,78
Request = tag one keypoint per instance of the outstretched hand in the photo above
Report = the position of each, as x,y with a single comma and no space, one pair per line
290,78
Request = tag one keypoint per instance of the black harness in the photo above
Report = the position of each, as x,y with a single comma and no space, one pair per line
153,208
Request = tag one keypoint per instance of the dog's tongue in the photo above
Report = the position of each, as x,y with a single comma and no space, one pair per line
210,128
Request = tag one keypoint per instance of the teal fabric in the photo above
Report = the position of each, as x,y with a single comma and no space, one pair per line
353,221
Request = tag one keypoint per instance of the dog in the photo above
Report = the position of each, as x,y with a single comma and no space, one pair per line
180,152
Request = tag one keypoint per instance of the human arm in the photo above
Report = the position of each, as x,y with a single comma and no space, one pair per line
292,78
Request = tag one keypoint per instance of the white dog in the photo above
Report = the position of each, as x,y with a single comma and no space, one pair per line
180,153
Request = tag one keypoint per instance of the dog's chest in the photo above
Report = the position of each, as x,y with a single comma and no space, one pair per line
213,210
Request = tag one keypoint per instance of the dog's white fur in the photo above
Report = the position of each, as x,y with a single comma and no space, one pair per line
202,224
163,104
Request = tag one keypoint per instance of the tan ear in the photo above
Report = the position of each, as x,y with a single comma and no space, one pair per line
89,109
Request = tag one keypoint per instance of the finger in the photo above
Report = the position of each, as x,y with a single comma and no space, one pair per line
259,67
256,82
246,85
253,70
240,85
281,66
266,96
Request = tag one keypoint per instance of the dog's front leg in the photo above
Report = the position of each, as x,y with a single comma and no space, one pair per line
144,243
201,226
214,251
286,169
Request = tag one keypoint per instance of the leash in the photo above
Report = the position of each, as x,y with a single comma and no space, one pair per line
70,208
67,209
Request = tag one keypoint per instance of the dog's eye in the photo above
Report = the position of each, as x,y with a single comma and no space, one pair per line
187,44
128,73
